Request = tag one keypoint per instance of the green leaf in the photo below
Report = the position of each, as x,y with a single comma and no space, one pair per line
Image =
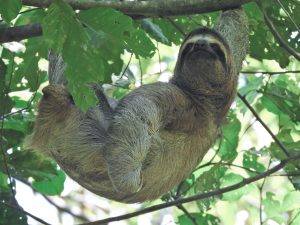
121,28
186,185
250,160
9,9
78,74
271,206
16,125
29,67
64,33
291,201
30,17
282,98
154,30
4,185
169,31
57,23
52,186
29,164
120,93
203,219
263,45
295,217
11,138
235,195
252,84
208,181
230,139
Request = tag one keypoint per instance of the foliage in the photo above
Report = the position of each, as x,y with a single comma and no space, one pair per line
95,45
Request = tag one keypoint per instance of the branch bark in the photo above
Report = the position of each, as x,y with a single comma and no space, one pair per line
20,32
243,183
149,8
134,9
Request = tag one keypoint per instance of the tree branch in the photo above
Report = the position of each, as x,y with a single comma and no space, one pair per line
199,196
279,38
277,141
149,8
20,32
131,8
271,73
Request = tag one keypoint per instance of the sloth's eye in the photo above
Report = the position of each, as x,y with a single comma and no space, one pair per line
216,48
188,47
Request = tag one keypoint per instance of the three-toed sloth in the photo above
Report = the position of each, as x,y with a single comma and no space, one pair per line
140,147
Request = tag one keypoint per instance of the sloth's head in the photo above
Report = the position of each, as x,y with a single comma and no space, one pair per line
204,61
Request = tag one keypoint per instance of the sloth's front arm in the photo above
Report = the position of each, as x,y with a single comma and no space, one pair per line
135,125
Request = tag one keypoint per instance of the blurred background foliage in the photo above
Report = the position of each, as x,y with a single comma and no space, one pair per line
105,46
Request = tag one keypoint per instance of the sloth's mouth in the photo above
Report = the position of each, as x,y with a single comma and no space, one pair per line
203,53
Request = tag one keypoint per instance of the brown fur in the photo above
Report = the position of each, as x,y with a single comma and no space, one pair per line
153,139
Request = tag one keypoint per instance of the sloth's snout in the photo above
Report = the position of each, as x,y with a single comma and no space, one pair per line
201,44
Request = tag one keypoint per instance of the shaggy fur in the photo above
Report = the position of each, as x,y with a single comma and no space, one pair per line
152,139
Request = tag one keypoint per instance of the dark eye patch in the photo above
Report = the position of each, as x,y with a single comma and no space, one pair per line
216,48
186,50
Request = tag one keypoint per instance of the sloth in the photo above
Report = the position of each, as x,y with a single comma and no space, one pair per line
140,147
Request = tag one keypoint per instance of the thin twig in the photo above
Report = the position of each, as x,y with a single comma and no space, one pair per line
183,209
246,130
127,65
141,71
294,174
220,191
271,73
261,197
66,210
278,36
234,165
295,217
25,212
194,21
288,15
176,26
23,109
159,59
278,142
50,201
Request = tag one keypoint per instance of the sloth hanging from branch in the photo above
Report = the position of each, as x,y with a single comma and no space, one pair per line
140,147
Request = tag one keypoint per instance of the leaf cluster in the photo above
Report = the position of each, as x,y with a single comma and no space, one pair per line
95,45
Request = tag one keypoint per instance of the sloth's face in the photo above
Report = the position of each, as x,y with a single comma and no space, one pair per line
203,58
203,48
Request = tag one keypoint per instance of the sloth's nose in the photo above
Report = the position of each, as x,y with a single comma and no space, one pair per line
201,44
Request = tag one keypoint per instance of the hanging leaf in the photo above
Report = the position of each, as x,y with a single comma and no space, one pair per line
9,9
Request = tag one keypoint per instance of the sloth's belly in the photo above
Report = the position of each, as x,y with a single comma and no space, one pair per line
179,155
172,158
